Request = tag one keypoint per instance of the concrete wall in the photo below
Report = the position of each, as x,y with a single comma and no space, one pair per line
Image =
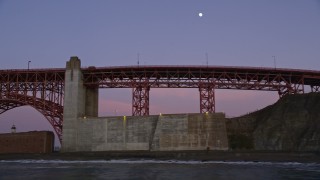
84,131
115,133
156,133
190,132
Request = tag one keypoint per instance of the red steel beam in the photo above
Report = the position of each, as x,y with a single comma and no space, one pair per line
207,99
140,101
190,77
43,90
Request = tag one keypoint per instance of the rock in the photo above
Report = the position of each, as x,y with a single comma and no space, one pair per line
291,124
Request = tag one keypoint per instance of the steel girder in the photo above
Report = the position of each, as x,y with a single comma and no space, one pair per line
44,107
283,81
140,101
43,91
207,99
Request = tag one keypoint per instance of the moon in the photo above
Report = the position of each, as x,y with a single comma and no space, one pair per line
200,14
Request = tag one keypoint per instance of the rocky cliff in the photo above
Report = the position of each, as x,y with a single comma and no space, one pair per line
291,124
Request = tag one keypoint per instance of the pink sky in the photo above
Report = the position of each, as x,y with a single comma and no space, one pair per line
177,100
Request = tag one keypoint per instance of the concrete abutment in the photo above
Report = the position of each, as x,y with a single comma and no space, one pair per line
79,102
84,131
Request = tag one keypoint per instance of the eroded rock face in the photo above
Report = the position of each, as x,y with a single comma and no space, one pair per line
291,124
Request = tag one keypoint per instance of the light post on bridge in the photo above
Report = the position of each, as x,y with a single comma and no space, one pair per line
29,64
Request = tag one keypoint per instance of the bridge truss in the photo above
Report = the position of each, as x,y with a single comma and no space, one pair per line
40,89
206,78
43,89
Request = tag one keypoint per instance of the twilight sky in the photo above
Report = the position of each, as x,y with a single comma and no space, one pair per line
166,32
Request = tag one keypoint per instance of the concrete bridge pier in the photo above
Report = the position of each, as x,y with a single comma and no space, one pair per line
79,103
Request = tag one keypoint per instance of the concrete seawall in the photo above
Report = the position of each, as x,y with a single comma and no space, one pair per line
173,132
190,132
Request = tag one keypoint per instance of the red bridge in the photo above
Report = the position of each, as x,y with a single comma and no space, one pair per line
43,89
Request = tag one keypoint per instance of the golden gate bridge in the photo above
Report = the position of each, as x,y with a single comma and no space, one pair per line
44,89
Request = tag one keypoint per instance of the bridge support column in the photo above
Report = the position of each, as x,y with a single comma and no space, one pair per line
140,101
92,100
292,89
207,100
79,102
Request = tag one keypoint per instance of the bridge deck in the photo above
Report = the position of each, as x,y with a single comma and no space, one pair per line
103,75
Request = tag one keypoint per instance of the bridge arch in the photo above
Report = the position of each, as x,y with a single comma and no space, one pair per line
51,111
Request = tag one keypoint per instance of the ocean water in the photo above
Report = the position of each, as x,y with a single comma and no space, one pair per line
155,169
